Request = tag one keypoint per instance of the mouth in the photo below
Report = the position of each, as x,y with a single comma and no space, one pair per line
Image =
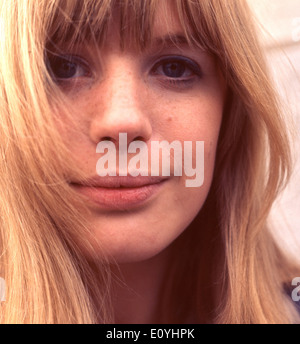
119,193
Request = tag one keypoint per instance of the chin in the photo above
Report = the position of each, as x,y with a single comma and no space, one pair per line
133,254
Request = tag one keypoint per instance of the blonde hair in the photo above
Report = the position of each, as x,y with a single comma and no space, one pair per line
229,261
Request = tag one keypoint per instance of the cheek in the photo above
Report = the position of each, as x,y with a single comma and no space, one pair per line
190,117
73,127
197,120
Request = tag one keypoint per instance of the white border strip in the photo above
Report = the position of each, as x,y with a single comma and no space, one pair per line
2,289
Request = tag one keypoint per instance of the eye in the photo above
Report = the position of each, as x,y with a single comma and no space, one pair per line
67,67
177,67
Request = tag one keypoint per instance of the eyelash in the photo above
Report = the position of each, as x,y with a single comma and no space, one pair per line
55,62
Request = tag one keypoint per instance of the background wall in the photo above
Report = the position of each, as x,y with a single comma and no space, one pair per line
280,34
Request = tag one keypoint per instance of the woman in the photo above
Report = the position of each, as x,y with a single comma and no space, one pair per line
80,248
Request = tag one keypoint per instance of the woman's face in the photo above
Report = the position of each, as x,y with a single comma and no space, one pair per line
169,92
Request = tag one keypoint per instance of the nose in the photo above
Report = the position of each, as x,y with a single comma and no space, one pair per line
121,108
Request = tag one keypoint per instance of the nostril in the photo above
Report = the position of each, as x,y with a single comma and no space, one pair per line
106,138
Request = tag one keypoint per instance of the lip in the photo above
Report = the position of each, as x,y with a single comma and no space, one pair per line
119,193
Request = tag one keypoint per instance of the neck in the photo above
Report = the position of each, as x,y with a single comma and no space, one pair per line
136,289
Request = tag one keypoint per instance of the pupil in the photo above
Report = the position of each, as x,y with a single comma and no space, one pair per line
174,70
63,69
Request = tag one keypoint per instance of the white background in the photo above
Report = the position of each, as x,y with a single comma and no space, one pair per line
280,34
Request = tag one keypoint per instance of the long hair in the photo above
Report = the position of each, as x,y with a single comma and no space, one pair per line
226,266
